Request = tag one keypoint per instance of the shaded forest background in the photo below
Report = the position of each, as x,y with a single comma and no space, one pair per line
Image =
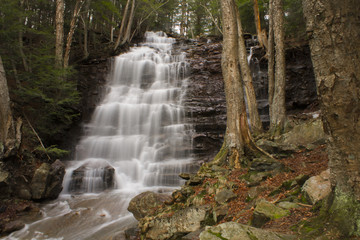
47,95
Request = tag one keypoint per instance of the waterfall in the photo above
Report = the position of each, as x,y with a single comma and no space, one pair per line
136,141
136,137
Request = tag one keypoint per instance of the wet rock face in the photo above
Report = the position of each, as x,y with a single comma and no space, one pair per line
205,99
300,79
89,178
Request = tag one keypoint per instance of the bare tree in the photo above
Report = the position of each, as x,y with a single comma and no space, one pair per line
74,19
278,111
255,122
59,33
237,138
122,26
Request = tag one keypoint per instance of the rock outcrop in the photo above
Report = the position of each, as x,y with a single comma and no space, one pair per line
180,223
237,231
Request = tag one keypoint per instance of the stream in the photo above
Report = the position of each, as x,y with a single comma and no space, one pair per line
136,141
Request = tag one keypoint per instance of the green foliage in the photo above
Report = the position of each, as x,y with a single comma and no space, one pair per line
294,21
48,98
53,152
106,9
42,91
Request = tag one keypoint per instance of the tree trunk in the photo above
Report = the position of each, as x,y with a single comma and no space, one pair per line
183,18
5,111
74,19
85,22
129,24
10,135
334,30
258,24
237,137
271,57
59,43
122,26
21,44
278,112
255,122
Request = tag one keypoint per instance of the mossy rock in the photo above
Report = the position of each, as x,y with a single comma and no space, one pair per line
266,211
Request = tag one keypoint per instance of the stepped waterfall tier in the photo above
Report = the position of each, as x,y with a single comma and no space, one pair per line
137,136
136,141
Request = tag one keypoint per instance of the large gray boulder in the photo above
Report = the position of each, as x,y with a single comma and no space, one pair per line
318,187
181,223
237,231
146,204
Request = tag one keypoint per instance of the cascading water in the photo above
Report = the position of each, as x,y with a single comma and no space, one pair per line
136,141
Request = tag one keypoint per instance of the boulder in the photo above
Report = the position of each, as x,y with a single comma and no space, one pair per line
179,224
40,181
46,182
57,173
237,231
304,134
266,211
318,187
146,204
224,196
78,185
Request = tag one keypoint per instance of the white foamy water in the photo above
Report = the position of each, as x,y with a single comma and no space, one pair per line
136,141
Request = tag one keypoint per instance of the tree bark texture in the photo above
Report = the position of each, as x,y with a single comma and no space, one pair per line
74,19
333,27
255,122
271,56
278,112
59,42
5,111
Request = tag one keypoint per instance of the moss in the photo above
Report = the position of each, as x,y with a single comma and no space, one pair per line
345,214
220,158
251,235
217,235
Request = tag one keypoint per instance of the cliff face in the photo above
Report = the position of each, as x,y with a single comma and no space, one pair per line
205,99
